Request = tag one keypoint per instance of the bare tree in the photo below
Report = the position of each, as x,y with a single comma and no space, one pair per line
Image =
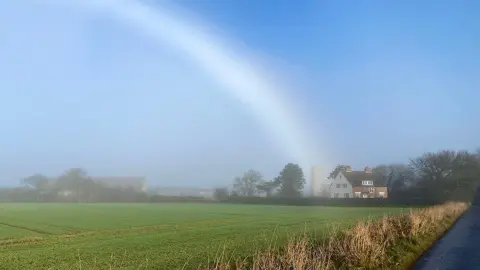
338,168
247,184
268,187
397,175
446,172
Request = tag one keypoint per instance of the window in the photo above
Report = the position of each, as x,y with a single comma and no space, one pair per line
335,195
371,190
367,183
347,195
357,194
338,185
381,193
344,185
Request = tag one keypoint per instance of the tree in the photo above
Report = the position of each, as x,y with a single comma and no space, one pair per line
220,194
446,173
339,168
267,187
247,184
75,180
396,175
37,181
291,181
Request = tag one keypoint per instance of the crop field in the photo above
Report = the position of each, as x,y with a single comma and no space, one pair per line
155,236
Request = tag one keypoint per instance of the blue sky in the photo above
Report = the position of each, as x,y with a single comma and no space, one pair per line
378,82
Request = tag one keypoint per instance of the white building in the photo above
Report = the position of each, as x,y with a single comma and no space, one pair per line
358,184
340,187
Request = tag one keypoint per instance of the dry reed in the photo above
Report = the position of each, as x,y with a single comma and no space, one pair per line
370,244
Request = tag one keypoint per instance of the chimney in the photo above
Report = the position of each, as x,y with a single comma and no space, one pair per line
348,169
368,170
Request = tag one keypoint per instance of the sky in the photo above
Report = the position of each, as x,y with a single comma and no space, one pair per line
361,82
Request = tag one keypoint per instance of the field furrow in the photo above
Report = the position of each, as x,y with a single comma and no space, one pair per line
155,236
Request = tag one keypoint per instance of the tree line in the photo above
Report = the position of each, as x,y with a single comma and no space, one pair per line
434,177
72,186
441,176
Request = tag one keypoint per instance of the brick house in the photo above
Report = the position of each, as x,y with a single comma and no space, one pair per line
358,184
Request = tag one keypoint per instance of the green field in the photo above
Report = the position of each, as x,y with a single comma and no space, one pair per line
154,236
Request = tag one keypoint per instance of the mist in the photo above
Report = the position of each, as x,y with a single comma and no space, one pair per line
84,87
187,134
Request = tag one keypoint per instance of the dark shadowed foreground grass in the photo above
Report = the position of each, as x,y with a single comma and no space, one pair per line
157,236
393,242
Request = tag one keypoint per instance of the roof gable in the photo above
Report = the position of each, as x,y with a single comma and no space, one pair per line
332,180
356,177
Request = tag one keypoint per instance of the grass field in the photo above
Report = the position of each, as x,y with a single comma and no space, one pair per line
155,236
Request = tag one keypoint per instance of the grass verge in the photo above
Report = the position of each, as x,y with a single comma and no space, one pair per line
392,242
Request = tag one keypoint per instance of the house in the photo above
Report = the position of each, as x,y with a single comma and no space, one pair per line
358,184
138,184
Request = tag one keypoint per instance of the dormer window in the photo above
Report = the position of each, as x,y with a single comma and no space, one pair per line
367,183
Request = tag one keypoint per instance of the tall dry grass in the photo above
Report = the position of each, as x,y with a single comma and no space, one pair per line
370,244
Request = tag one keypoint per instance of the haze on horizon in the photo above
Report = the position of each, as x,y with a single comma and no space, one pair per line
376,82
